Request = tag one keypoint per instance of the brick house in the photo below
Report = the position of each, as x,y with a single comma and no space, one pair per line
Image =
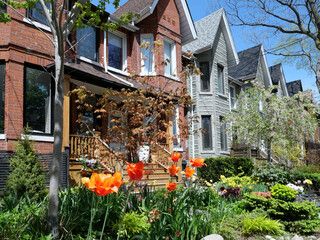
100,60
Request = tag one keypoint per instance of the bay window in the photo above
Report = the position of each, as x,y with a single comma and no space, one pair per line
38,100
169,58
207,134
147,61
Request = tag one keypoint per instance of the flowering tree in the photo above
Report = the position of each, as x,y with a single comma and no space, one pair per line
263,119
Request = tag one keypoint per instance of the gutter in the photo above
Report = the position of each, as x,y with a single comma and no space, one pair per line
131,27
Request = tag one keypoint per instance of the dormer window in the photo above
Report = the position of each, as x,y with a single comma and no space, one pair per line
88,43
169,58
37,13
117,51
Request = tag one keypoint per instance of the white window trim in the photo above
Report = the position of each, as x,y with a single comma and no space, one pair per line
3,136
123,36
143,70
89,61
173,60
36,24
39,138
210,84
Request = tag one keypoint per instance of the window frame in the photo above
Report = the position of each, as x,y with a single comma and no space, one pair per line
210,133
37,132
219,66
33,18
3,8
2,91
173,60
201,80
123,36
97,42
232,98
223,135
144,71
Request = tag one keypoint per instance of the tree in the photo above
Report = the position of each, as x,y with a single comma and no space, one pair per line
263,119
61,23
297,21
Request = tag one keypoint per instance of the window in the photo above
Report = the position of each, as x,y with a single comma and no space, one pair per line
207,135
117,51
87,43
169,58
223,135
38,100
205,77
220,80
3,7
232,97
2,85
175,127
37,13
147,54
90,120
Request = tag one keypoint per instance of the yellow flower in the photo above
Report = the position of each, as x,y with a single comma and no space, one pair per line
250,187
267,183
208,184
222,177
239,185
308,181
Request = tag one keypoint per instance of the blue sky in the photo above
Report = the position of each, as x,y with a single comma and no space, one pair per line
201,8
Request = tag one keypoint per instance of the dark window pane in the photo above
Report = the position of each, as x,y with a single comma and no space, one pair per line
3,7
223,135
207,135
115,51
37,105
220,80
2,87
205,77
87,43
233,97
37,13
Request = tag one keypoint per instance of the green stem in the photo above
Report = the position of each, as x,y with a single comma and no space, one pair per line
124,210
91,218
105,217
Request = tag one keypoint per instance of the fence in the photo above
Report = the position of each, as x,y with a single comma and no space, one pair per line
45,159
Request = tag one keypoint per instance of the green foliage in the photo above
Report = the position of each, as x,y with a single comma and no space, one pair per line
308,169
134,224
279,209
260,223
228,229
26,175
272,174
303,226
283,192
314,177
227,166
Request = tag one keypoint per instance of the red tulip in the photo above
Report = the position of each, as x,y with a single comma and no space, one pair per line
175,157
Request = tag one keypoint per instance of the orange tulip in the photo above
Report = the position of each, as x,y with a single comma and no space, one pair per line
174,170
189,172
175,157
135,171
103,184
171,186
196,162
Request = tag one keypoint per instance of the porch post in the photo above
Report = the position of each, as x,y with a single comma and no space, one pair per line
66,112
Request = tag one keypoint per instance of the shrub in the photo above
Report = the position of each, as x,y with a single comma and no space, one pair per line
279,209
26,175
260,224
303,226
272,174
308,169
314,177
227,166
228,229
283,192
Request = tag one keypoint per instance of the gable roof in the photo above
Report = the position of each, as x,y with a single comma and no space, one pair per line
146,7
294,87
248,63
278,78
207,29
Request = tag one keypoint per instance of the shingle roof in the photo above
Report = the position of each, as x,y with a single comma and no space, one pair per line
248,63
275,73
206,29
294,87
133,6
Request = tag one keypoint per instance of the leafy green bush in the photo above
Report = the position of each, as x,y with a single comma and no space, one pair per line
314,177
228,228
279,209
283,192
260,224
303,226
26,175
308,169
272,174
227,166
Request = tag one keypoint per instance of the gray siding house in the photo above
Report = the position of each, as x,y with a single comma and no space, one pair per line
214,53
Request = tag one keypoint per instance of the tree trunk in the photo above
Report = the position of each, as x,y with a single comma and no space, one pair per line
53,221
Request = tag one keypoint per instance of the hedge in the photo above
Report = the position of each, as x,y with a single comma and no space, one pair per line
227,166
